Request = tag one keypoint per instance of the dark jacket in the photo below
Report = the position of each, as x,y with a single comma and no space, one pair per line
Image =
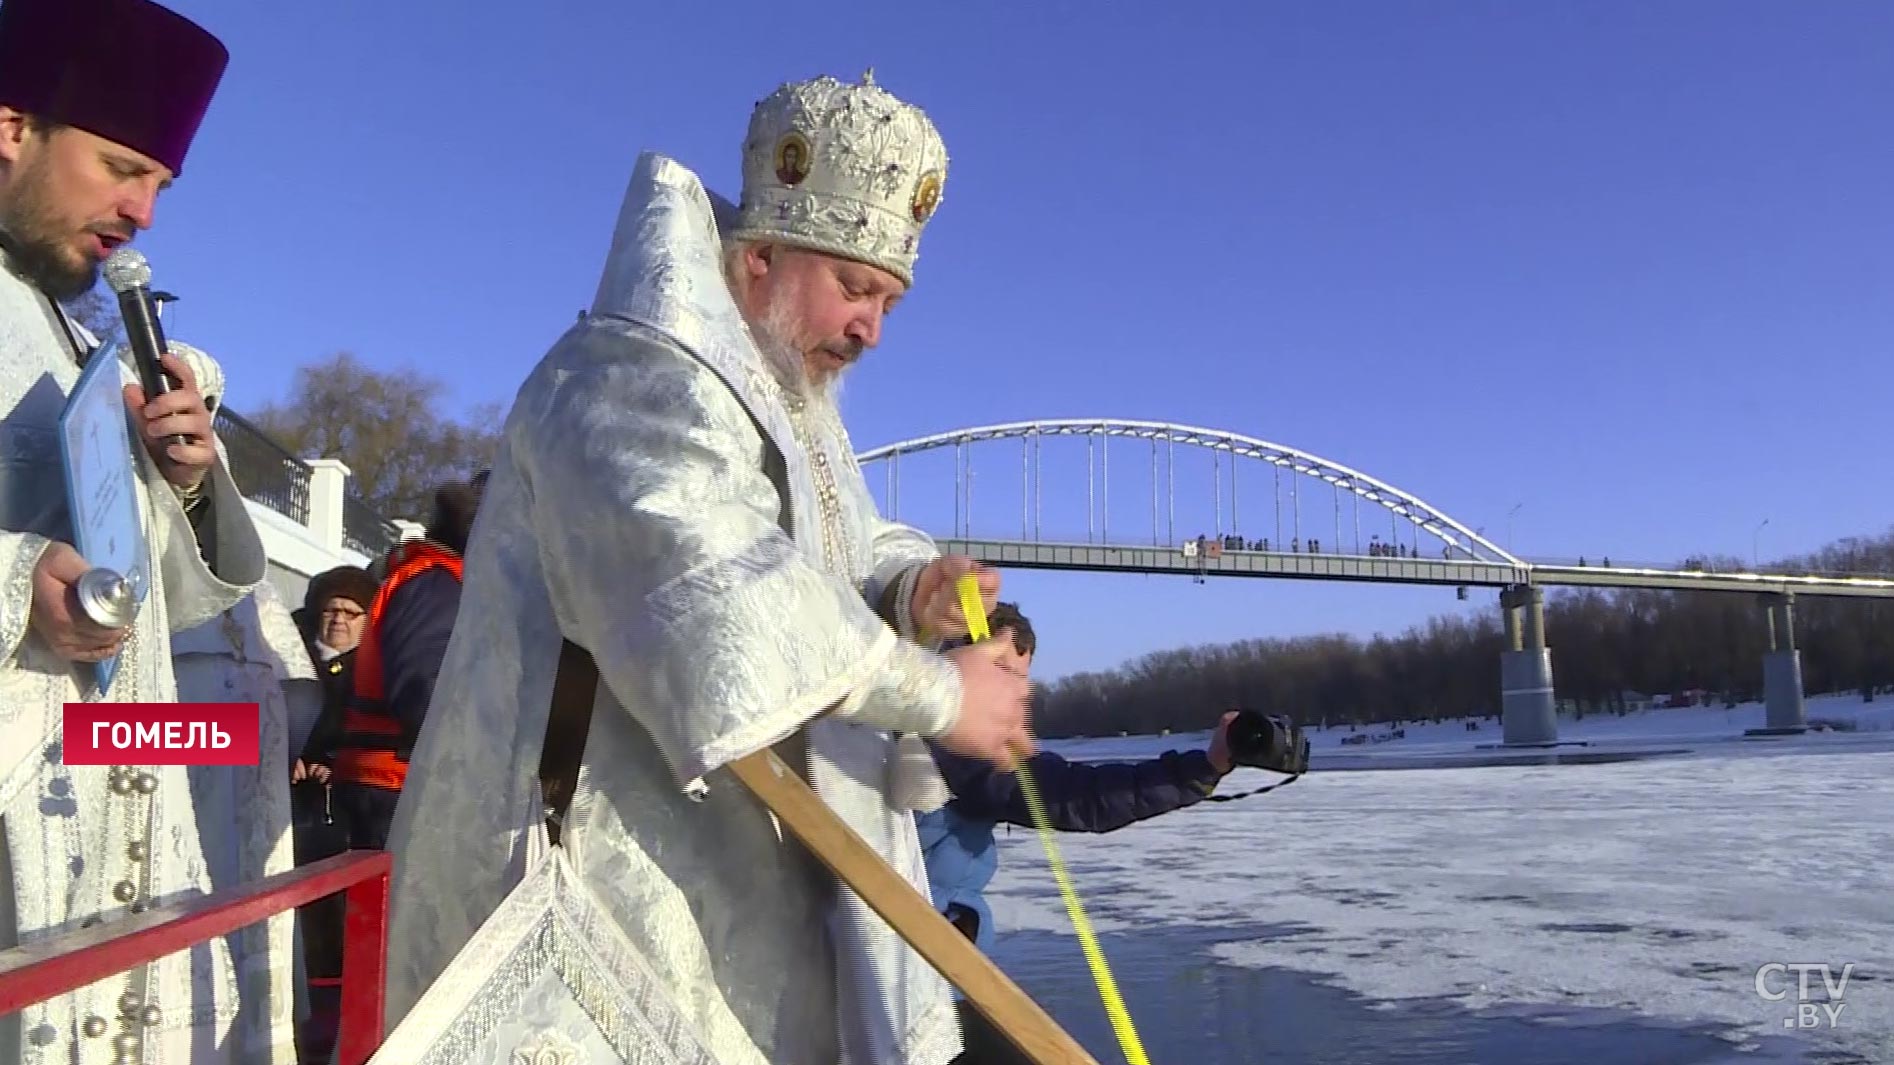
397,663
338,683
405,643
415,631
957,840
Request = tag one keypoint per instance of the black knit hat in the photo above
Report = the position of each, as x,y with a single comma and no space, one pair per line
455,506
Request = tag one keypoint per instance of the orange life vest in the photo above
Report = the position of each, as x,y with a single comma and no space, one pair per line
373,739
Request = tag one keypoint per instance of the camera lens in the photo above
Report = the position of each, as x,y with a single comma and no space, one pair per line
1268,743
1254,739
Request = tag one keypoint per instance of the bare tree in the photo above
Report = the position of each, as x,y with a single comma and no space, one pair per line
386,426
1605,643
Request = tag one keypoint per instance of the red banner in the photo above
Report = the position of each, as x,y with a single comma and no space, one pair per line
162,734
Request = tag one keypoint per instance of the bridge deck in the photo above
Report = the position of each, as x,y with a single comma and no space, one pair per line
1109,558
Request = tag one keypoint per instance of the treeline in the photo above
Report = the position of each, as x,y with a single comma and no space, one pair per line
1604,644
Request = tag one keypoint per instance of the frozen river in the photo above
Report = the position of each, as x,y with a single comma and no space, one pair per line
1609,912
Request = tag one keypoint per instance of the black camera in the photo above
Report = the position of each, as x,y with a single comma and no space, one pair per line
1272,743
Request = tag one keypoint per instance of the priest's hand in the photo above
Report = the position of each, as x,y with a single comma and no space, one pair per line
57,616
992,724
937,613
179,412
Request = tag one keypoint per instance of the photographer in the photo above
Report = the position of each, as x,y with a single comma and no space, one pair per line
958,843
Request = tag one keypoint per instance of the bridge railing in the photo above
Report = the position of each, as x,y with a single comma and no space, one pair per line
1290,545
1320,546
1701,565
44,970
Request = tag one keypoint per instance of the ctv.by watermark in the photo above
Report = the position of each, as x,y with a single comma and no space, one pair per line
1812,989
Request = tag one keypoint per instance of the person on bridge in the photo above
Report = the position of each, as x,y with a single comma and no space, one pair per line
958,842
100,101
678,565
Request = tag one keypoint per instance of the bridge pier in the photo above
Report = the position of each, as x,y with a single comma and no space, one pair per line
1528,710
1784,713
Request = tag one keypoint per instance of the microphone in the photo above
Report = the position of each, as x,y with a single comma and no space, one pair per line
129,275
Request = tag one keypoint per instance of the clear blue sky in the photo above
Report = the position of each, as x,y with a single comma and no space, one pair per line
1630,265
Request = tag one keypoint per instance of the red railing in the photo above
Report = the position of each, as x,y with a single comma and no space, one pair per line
35,973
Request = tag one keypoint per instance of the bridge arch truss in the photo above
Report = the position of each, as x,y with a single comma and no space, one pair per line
1411,516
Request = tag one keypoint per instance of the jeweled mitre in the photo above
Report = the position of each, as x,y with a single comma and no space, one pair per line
845,169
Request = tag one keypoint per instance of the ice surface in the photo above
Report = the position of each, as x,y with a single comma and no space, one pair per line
1655,886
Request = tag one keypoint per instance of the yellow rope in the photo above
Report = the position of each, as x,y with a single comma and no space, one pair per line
971,606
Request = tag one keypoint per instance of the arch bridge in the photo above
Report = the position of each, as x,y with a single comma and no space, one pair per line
1311,527
1311,523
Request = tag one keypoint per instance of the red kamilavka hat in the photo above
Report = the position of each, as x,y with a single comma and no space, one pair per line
127,70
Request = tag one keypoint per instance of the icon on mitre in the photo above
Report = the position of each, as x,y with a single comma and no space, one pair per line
926,196
792,160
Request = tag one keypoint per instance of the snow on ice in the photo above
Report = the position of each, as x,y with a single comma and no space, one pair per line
1656,885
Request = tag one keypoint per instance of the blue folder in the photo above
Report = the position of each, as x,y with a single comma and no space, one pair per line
95,438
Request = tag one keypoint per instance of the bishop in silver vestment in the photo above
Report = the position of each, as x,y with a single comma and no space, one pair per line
674,497
98,105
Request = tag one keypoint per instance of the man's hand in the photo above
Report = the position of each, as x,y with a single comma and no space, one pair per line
937,613
180,412
57,616
1219,752
992,723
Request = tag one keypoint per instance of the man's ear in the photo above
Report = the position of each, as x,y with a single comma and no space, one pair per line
1008,640
757,259
15,128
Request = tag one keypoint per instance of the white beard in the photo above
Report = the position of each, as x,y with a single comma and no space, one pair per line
775,334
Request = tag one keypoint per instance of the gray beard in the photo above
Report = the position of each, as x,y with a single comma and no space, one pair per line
786,362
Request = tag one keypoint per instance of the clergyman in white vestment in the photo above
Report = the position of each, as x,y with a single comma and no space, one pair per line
251,653
675,493
99,102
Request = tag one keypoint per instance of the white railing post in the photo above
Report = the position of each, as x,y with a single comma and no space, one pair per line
328,488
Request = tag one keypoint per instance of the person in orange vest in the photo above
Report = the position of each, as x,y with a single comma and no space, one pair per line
396,664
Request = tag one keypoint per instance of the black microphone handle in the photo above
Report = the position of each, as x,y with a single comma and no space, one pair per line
146,337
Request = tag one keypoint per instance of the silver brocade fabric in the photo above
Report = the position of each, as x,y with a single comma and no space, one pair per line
252,653
85,844
662,503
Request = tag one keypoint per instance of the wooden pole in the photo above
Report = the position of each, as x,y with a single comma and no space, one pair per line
913,917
